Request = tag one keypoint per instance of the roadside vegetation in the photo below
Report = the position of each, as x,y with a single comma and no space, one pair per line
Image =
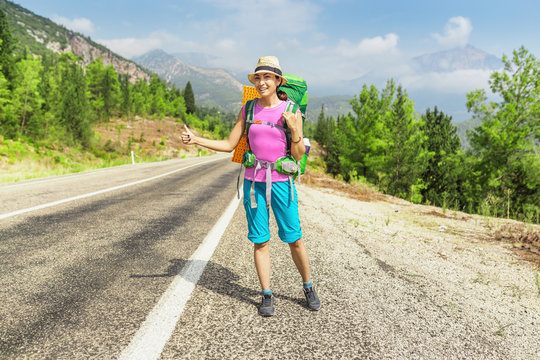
420,159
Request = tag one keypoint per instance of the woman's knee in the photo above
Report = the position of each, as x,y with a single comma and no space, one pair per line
261,246
297,244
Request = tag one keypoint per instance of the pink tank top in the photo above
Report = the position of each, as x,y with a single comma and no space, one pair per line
267,142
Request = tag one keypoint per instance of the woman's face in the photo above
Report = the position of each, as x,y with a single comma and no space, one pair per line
266,83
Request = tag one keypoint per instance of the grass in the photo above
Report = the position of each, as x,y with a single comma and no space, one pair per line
24,159
481,279
20,160
36,167
500,330
537,282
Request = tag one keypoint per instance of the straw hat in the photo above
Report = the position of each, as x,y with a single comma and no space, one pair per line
267,64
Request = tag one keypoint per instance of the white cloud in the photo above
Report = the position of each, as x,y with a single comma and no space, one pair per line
256,18
346,60
456,32
369,46
82,25
227,44
130,47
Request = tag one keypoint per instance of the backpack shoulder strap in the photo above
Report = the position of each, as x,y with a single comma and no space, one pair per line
248,116
250,110
292,107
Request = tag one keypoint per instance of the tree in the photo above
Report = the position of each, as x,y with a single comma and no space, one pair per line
103,88
109,91
158,91
405,156
442,144
322,133
189,98
26,96
8,120
367,132
125,95
74,107
140,93
506,143
7,46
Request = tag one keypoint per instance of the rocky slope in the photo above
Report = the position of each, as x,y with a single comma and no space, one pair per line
42,36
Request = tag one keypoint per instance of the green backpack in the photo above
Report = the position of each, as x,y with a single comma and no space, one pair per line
296,89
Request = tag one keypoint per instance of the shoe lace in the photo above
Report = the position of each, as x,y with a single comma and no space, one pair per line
267,300
310,294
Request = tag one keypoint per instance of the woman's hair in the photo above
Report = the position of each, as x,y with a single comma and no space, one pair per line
282,95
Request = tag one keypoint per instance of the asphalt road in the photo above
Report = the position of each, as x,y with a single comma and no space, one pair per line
79,278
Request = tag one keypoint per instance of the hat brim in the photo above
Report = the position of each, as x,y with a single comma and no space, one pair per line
251,77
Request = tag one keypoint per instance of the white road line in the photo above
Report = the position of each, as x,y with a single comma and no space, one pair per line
63,176
150,339
63,201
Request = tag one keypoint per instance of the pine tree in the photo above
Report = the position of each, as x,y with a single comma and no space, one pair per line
442,144
103,88
125,92
406,157
367,132
110,91
74,103
140,94
321,130
7,46
189,99
8,122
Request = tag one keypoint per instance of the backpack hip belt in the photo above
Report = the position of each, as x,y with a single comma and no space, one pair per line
269,166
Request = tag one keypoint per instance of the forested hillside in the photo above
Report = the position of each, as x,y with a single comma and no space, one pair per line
41,37
50,101
419,158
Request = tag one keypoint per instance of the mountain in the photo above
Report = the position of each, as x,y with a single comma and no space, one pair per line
334,105
42,36
462,58
463,127
212,87
195,58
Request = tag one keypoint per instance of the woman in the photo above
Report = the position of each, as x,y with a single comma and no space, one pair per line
269,143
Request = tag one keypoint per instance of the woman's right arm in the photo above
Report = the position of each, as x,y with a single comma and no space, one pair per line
227,145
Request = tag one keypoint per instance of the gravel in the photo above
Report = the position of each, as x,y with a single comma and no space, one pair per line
396,280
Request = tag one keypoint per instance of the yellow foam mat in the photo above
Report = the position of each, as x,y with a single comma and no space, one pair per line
249,93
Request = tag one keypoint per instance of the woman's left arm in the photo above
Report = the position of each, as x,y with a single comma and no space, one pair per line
294,122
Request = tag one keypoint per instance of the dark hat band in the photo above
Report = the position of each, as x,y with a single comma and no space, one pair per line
269,68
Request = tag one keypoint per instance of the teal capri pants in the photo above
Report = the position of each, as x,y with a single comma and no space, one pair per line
285,211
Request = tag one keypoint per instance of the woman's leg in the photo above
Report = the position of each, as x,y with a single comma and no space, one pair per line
300,258
262,263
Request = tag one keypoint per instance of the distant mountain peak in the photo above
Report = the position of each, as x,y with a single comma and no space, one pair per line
460,58
213,87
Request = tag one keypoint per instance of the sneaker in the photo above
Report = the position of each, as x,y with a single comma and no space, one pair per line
267,305
313,302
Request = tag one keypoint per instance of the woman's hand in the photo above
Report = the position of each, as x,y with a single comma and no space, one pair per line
187,136
291,120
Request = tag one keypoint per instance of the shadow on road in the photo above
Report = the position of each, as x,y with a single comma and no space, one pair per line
218,279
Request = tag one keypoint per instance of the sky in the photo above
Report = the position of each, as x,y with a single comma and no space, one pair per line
325,41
